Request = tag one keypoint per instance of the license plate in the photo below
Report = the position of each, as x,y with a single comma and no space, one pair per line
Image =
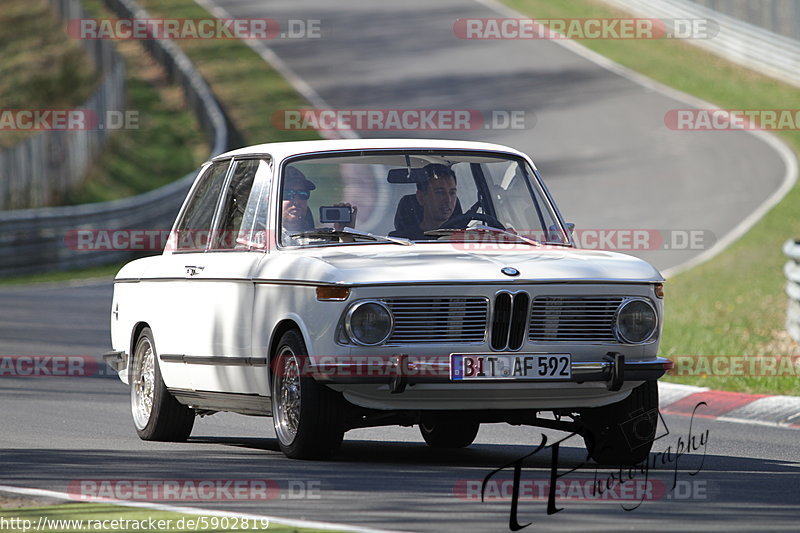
510,366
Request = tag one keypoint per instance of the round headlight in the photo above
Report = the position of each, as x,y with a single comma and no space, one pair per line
636,321
369,323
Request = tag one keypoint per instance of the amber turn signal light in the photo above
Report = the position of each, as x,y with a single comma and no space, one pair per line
336,294
659,290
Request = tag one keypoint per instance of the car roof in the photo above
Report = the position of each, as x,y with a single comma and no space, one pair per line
282,150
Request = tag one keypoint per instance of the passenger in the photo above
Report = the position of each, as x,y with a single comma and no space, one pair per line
297,189
296,215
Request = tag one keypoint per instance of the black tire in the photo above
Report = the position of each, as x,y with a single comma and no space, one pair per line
165,419
448,430
314,429
622,433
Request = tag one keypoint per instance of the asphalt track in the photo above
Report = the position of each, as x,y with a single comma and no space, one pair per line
599,138
54,431
600,142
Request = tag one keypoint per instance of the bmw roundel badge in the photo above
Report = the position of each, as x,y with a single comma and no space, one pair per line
510,271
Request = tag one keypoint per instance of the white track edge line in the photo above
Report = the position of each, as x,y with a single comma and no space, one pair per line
192,510
733,420
786,154
272,59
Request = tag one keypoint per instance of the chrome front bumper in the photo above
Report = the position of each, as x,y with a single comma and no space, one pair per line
399,372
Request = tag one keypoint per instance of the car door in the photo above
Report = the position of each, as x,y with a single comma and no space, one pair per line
220,289
169,305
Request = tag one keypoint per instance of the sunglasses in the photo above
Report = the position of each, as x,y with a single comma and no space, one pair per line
291,194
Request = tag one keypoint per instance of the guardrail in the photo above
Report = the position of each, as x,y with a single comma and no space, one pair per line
738,41
41,169
33,240
792,271
779,16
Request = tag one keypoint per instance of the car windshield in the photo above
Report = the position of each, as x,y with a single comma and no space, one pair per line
414,197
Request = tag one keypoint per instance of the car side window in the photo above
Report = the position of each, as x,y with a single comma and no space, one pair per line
192,231
244,204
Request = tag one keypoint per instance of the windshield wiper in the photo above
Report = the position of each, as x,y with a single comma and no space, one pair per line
488,229
330,232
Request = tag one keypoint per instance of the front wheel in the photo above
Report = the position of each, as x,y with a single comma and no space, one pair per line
448,431
307,416
623,433
157,415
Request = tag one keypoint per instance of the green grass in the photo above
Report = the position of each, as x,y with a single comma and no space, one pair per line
249,89
93,516
40,67
43,68
734,304
166,142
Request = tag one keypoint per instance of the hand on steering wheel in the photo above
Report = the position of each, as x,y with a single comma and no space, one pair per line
461,221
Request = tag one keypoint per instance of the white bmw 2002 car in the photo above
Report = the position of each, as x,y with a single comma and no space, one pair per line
345,284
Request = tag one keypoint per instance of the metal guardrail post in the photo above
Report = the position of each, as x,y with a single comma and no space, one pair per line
792,271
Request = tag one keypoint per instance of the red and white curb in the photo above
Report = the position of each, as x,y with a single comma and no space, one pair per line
781,411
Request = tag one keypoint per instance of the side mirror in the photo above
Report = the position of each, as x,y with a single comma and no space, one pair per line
571,227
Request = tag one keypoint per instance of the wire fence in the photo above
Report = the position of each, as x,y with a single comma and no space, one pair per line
34,240
41,169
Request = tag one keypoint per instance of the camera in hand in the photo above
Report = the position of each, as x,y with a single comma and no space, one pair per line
335,214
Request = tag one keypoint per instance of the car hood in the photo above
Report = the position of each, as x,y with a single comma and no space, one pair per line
435,263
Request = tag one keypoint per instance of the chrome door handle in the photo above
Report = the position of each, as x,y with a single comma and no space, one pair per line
192,270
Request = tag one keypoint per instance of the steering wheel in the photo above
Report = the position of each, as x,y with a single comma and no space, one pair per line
463,220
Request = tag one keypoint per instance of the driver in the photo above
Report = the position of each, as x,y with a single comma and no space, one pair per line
437,195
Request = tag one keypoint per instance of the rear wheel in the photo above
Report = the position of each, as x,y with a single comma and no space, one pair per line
157,415
622,433
307,416
448,430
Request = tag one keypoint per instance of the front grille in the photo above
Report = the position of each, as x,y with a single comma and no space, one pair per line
573,319
438,320
509,320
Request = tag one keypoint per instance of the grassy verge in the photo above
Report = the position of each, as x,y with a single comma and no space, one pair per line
168,142
41,67
163,145
101,517
734,304
248,88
